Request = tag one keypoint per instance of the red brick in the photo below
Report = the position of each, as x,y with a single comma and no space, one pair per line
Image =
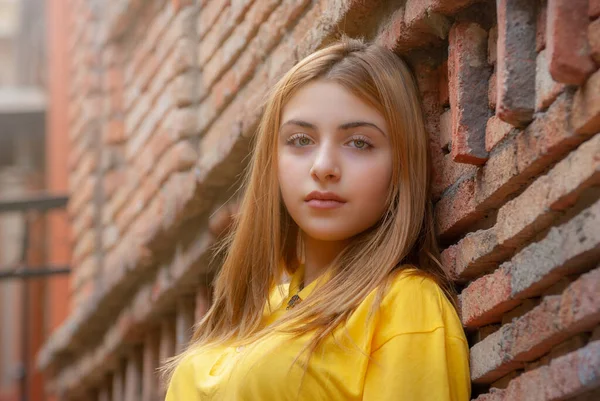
113,180
114,132
594,40
493,45
156,147
447,172
492,91
495,394
547,139
447,7
444,94
499,178
585,115
469,73
113,79
566,41
539,330
446,129
487,298
546,89
516,61
457,209
84,247
147,72
476,253
183,89
568,248
179,4
496,130
540,33
210,13
594,9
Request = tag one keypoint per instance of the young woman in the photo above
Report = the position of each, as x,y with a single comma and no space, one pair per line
337,196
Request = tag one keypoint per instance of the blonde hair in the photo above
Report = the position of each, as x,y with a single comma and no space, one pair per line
261,246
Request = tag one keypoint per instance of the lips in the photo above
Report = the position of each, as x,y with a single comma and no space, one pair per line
324,196
324,200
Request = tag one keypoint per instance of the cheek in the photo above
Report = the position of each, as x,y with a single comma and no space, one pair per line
288,174
371,182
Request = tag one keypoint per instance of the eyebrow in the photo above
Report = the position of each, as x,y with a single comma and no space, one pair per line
345,126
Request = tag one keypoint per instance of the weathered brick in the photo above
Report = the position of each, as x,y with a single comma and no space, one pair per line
547,139
543,328
516,61
536,207
566,41
468,77
229,51
457,209
447,173
594,40
446,129
476,253
540,33
493,45
443,88
496,180
210,13
84,246
487,298
493,91
594,9
114,132
447,7
504,381
495,131
183,89
111,181
585,115
568,248
546,89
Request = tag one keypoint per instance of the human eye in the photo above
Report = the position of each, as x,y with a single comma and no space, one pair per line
299,140
361,142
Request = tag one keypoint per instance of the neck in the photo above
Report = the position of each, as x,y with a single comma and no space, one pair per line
319,255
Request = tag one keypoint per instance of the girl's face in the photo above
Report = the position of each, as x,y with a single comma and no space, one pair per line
334,161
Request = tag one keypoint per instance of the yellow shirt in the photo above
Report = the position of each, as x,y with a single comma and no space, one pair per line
416,344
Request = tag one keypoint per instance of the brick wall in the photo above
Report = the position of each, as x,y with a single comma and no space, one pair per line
163,104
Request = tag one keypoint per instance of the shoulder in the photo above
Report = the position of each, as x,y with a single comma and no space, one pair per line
182,381
415,303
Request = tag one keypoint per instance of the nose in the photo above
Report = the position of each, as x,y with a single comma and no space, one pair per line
325,165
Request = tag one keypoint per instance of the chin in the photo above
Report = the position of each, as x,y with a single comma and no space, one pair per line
329,233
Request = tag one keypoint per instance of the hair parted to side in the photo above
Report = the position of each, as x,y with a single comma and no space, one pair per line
261,244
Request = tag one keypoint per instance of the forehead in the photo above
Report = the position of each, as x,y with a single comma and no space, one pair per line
324,102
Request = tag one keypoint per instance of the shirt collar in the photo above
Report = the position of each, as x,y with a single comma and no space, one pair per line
297,279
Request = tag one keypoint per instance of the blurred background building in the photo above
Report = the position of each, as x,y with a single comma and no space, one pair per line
34,240
138,116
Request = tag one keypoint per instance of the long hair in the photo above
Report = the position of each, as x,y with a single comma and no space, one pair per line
261,246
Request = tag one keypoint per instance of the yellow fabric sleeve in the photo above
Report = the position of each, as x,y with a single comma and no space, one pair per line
419,366
182,384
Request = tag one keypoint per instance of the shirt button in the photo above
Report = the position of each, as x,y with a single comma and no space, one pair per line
240,348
